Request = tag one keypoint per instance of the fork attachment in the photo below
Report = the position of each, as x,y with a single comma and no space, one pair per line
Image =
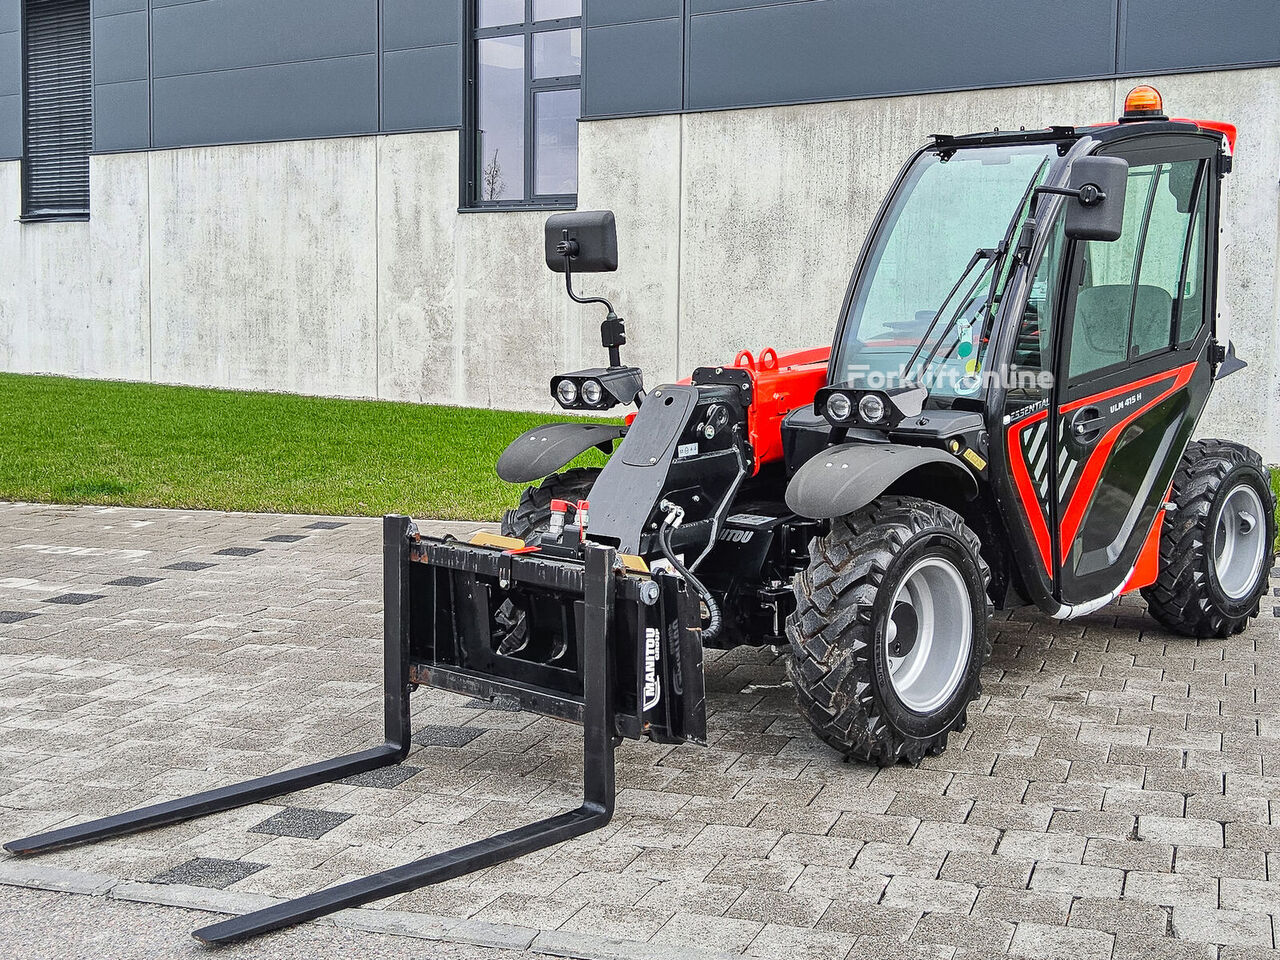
574,638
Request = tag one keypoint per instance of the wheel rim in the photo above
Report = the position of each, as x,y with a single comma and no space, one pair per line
929,634
1239,542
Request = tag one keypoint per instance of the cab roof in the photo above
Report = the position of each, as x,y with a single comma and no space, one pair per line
1102,132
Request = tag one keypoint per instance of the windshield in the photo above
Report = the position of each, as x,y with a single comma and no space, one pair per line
926,296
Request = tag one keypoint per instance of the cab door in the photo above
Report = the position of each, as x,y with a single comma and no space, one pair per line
1131,370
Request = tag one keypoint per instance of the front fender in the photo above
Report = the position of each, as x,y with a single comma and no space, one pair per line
540,452
846,478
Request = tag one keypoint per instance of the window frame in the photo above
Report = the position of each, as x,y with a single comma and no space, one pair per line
469,174
1164,149
78,215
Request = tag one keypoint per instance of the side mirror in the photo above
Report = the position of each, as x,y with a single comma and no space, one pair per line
588,238
1097,186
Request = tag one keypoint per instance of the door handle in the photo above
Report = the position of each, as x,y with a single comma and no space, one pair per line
1086,426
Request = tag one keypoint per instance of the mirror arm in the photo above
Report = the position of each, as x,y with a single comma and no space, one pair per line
1089,195
613,332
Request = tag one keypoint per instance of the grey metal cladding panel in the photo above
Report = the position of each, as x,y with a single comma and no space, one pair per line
719,6
600,12
120,48
633,68
10,15
121,119
10,127
10,64
422,88
1173,34
288,101
107,8
837,49
225,34
420,23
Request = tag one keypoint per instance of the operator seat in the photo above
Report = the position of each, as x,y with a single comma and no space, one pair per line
1101,336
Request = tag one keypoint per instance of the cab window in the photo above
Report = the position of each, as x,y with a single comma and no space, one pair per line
1032,356
1133,289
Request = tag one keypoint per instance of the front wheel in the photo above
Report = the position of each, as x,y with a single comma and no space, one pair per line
531,517
890,630
1218,543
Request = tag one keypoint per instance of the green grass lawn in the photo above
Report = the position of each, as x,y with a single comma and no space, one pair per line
144,445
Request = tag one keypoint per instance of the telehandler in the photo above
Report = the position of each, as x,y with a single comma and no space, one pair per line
1005,416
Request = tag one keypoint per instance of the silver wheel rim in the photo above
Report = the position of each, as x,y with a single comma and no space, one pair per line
929,634
1239,542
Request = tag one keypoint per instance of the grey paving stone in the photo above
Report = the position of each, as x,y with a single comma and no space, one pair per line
1119,916
983,936
1171,889
684,929
193,566
384,777
301,822
1019,905
434,735
987,871
781,942
285,538
209,872
932,896
237,551
1060,943
326,525
788,909
74,599
893,923
14,616
1207,925
132,581
1137,947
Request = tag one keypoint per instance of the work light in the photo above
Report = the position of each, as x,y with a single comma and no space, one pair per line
567,392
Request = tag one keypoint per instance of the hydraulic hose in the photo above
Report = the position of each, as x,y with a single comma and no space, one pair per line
714,618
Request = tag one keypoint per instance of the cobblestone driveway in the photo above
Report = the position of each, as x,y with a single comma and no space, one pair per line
1112,796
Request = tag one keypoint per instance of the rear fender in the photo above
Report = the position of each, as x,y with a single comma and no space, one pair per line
542,451
846,478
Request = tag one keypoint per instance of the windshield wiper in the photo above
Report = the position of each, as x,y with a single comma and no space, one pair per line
990,255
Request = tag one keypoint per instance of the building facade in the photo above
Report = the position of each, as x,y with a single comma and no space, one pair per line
346,197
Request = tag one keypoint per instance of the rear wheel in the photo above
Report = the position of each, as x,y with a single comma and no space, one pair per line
890,630
1218,545
530,518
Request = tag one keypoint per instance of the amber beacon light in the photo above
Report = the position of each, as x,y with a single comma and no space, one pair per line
1144,103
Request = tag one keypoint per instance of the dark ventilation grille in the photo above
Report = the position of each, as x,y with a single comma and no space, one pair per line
58,122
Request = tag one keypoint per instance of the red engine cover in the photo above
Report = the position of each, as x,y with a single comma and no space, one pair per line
780,384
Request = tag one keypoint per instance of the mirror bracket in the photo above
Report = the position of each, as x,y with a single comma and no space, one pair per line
613,330
1089,195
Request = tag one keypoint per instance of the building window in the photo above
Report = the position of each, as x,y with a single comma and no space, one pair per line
57,125
524,98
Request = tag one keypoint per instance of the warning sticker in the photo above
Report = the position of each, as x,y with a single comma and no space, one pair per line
750,520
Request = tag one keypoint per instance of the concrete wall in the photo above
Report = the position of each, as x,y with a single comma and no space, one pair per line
343,267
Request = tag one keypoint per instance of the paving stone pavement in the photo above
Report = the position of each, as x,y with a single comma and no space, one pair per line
1112,796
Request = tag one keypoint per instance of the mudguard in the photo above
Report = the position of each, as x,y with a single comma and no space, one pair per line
846,478
540,452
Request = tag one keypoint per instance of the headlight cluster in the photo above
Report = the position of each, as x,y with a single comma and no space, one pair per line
849,408
575,393
599,388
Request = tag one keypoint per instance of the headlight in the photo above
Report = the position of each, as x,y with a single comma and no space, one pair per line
871,408
839,406
592,393
567,392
